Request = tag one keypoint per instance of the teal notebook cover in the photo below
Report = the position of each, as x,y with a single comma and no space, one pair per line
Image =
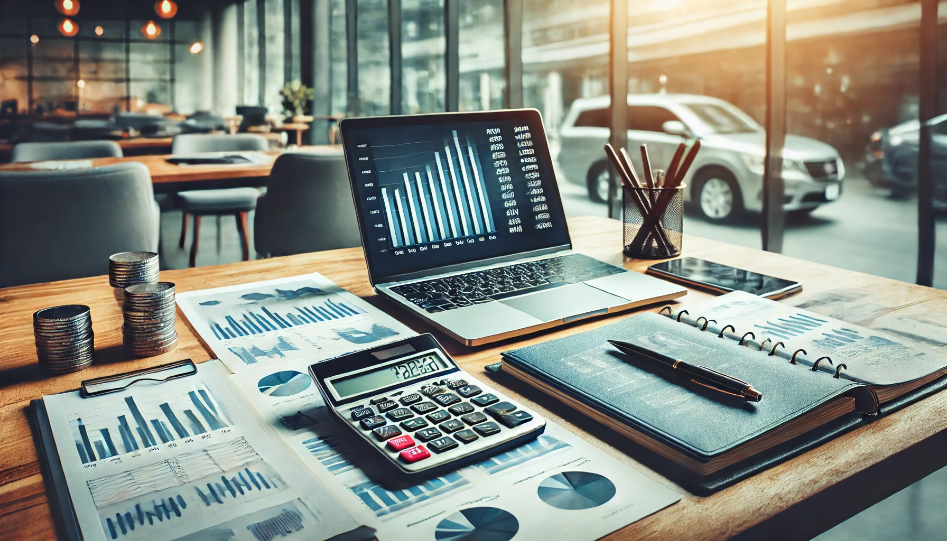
649,399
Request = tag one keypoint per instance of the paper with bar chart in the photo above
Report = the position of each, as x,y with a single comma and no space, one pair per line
266,323
166,460
556,470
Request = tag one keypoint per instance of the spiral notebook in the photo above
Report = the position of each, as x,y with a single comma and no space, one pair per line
705,440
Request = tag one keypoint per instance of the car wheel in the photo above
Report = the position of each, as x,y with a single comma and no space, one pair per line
597,182
717,195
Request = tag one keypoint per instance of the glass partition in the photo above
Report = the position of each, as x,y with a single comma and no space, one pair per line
373,59
422,51
480,45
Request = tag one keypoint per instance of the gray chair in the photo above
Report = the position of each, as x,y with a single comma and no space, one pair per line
229,201
56,225
307,207
76,150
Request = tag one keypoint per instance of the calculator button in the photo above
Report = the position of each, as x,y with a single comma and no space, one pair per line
428,434
486,429
387,405
469,390
456,384
446,399
460,409
413,424
360,414
372,422
485,399
466,436
378,400
401,442
502,408
512,420
438,416
474,418
452,426
442,444
399,414
424,407
407,400
385,432
431,390
415,454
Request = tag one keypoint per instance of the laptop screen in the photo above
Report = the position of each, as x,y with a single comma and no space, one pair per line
433,191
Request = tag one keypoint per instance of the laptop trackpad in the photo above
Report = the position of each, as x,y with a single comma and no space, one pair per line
566,301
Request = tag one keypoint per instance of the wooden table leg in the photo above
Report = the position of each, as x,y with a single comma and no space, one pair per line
242,229
196,241
183,230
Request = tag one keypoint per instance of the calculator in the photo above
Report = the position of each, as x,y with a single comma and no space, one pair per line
413,404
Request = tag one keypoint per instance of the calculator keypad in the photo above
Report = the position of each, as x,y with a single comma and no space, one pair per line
437,416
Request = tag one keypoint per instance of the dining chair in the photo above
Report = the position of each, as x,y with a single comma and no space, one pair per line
57,225
226,201
307,207
75,150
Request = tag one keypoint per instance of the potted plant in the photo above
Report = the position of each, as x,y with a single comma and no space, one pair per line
297,98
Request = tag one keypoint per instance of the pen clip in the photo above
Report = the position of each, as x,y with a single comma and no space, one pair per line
722,374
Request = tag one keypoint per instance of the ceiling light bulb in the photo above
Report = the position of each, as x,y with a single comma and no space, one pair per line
34,39
166,7
80,83
197,47
99,30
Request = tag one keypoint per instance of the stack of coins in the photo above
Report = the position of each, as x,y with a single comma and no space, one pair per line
130,268
149,319
64,339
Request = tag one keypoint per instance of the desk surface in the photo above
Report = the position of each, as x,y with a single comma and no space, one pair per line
798,498
163,172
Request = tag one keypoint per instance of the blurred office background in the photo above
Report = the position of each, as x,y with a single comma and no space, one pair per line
865,78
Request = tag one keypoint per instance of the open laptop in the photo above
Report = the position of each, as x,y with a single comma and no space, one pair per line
462,224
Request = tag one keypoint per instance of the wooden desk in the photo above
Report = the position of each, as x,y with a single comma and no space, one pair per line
168,177
796,499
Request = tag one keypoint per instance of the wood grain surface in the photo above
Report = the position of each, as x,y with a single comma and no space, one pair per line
796,499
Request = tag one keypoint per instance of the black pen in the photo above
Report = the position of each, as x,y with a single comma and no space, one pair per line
700,375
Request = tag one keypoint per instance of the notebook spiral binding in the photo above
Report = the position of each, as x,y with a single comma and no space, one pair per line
772,352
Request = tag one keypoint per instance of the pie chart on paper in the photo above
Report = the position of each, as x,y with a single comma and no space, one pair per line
285,383
478,524
575,490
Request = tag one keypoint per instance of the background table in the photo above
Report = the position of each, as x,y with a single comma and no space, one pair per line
796,499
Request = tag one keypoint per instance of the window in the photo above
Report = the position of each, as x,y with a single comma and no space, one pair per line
373,60
481,55
649,118
593,118
422,50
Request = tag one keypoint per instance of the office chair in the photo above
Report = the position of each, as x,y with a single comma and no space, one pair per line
75,150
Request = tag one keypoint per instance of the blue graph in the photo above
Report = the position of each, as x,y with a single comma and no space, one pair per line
383,501
336,454
162,509
542,445
262,320
796,325
243,483
112,435
355,336
250,356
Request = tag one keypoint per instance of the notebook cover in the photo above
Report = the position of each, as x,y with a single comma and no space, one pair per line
699,424
59,501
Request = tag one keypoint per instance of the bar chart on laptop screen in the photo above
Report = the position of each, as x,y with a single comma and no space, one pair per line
436,188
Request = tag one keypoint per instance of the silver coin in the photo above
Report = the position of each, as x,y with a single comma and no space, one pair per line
68,312
158,288
133,257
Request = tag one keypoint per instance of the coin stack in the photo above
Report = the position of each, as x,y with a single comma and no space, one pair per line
130,268
64,339
149,319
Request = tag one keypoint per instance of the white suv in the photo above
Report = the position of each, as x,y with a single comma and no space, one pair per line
727,176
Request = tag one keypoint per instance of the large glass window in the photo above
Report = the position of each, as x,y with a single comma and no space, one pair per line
373,60
422,49
481,41
337,51
251,55
275,56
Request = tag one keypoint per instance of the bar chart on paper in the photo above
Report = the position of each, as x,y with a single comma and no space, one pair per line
433,190
260,319
145,421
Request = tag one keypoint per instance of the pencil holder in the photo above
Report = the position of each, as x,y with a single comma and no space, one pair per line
653,222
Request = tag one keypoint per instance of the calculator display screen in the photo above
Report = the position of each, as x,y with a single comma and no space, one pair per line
387,375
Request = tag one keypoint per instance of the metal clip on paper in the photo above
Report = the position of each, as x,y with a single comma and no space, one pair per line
120,382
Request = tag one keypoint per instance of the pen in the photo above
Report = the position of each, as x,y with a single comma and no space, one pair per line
700,375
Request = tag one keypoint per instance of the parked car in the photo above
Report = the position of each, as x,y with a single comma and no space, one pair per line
891,158
727,176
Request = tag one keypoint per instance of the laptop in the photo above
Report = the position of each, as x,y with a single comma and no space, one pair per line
462,224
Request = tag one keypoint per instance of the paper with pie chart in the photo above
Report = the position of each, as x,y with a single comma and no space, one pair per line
268,323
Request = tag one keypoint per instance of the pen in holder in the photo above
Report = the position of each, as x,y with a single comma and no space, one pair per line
657,232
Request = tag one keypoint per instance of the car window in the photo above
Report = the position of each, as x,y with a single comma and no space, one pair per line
649,117
940,128
595,118
719,119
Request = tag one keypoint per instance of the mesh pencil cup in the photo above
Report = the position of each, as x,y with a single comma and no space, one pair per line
653,222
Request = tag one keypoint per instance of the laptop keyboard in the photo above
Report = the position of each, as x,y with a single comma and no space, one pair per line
499,283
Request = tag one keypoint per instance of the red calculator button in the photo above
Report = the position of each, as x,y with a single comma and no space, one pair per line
401,442
415,454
